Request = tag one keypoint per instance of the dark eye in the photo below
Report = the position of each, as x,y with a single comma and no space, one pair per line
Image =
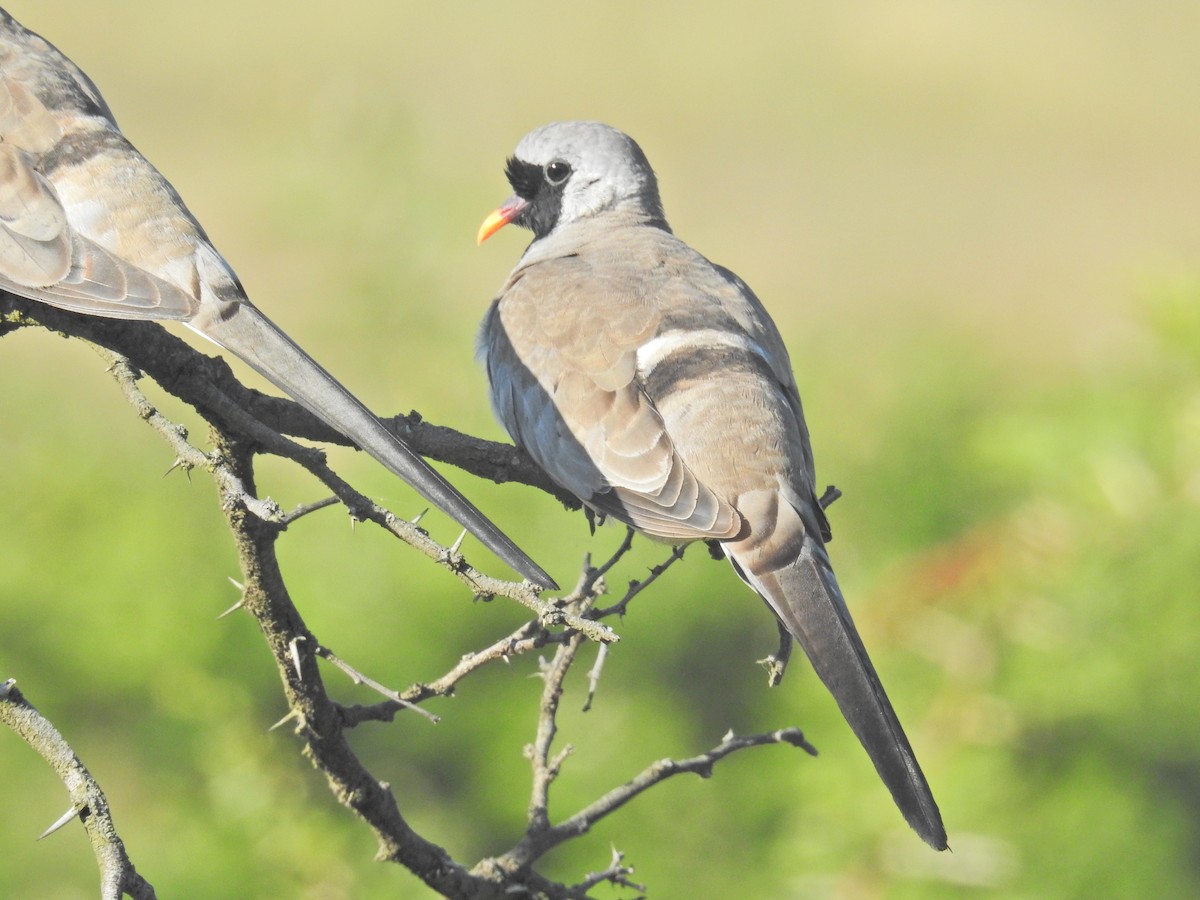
557,172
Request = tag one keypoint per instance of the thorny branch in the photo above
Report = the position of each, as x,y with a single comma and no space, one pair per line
208,384
539,841
244,423
88,803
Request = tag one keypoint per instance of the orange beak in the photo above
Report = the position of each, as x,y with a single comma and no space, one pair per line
508,210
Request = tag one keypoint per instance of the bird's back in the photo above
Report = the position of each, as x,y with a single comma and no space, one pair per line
630,311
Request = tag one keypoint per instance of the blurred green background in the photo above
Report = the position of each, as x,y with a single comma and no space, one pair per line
976,225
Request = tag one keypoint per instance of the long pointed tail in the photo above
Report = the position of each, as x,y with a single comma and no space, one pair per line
270,352
806,597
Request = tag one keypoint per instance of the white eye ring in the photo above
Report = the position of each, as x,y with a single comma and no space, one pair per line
557,172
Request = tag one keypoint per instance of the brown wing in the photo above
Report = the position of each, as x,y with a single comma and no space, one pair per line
561,347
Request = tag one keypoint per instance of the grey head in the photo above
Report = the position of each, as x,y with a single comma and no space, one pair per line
566,172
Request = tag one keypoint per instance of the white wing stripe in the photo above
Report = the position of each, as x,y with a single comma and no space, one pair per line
667,344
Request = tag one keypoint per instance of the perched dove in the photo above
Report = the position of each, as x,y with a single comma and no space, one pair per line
653,385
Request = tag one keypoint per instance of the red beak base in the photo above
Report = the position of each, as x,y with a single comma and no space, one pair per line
508,210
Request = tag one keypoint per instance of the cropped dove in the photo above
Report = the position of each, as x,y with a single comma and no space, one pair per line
89,225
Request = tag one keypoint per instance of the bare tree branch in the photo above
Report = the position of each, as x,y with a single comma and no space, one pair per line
200,381
118,877
636,587
538,842
359,678
217,405
617,873
244,423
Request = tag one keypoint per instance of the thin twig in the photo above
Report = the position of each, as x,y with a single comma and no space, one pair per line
186,455
829,496
546,769
536,844
305,508
359,678
625,546
617,873
525,639
593,676
636,587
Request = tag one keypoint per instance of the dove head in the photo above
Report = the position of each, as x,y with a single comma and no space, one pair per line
566,172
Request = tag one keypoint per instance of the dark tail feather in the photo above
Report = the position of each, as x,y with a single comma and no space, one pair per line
805,595
270,352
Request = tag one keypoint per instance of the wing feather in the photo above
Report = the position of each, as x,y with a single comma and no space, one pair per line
61,155
561,351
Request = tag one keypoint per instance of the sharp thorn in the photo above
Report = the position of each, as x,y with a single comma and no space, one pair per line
294,650
63,820
292,714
